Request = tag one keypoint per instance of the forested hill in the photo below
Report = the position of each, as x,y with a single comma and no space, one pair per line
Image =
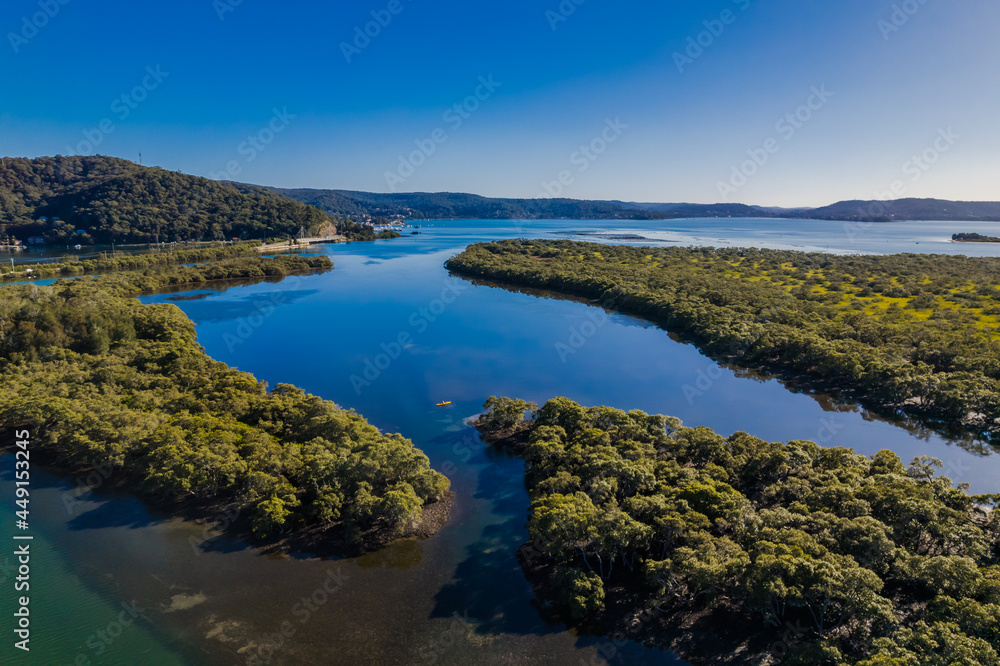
443,205
905,209
110,199
702,210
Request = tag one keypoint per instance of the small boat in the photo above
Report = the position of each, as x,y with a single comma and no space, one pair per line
443,404
77,247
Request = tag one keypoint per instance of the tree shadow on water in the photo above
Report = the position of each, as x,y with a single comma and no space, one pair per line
115,512
489,586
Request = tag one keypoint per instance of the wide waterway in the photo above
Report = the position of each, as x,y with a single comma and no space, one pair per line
337,335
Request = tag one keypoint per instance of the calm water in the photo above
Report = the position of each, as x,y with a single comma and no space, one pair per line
219,601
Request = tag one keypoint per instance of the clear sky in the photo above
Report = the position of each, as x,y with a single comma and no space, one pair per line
296,95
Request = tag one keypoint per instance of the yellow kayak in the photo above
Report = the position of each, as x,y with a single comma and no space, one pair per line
443,404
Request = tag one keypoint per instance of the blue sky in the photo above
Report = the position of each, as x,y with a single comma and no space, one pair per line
602,100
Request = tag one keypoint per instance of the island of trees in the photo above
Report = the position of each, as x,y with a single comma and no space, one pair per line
738,550
362,232
915,335
974,238
103,381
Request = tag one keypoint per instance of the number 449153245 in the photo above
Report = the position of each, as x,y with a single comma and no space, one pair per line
22,474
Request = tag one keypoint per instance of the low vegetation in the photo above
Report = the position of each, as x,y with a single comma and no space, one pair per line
120,261
101,379
716,546
974,238
915,335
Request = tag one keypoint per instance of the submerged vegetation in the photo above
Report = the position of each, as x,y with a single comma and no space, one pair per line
101,379
903,334
641,526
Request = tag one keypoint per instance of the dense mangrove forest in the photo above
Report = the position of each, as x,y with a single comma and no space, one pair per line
739,550
915,335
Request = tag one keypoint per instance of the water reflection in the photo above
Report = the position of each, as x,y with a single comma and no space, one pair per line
829,402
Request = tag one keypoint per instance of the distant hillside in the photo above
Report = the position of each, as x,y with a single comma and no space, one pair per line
443,205
110,199
905,209
700,210
69,200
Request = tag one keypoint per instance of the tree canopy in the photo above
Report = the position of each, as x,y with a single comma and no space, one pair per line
880,562
108,199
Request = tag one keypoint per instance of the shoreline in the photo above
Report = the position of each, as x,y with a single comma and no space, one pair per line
312,540
271,247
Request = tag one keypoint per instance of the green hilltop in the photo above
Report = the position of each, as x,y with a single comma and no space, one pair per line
105,199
